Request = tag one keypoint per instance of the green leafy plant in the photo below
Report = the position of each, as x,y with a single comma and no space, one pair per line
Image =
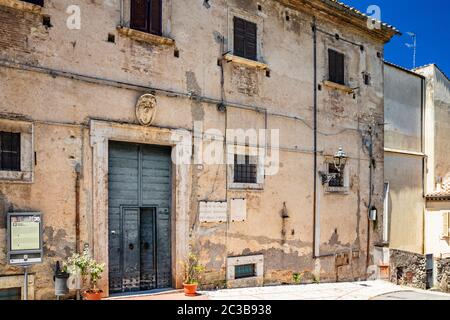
84,265
192,269
297,277
78,262
95,272
316,279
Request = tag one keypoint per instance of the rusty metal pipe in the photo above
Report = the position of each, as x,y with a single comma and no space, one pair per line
316,236
77,207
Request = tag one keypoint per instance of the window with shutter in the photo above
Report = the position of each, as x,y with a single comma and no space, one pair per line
9,151
36,2
245,39
446,224
146,16
336,67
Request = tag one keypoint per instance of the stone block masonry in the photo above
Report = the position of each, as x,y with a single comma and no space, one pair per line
408,268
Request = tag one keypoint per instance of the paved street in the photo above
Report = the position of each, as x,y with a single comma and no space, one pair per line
367,290
412,295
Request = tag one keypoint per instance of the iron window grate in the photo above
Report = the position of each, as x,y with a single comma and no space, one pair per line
245,169
10,294
9,151
338,179
244,271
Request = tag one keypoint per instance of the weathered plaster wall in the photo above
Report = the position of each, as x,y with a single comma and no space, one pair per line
406,202
403,158
442,118
62,107
403,98
437,118
437,115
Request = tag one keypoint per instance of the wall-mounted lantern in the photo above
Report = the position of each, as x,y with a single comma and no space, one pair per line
339,161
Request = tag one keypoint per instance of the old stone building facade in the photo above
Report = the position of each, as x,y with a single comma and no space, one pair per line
102,93
417,209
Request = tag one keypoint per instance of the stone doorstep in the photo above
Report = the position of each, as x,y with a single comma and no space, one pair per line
137,295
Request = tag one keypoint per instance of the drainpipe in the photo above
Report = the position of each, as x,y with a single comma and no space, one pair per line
77,207
369,224
316,231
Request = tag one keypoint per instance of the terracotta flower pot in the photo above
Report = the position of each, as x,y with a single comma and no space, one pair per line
93,295
190,290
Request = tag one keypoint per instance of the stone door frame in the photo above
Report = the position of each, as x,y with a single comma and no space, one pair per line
101,132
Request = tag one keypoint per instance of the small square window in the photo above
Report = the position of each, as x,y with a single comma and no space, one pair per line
367,79
245,169
338,179
244,271
9,151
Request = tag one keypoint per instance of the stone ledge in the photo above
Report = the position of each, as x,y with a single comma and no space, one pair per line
144,36
21,5
337,190
247,62
337,86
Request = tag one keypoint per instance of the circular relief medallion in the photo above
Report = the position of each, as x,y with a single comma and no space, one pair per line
146,109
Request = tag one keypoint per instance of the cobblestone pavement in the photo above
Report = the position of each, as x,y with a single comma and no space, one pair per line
367,290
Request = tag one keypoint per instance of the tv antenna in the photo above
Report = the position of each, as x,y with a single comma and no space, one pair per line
413,46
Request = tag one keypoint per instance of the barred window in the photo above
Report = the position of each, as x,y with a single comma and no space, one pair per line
9,151
338,179
244,271
245,169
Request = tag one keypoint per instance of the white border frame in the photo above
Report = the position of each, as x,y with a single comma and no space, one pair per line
100,134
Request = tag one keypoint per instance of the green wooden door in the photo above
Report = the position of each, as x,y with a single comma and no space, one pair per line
139,217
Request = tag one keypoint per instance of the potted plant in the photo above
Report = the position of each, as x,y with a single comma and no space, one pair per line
192,271
95,272
84,266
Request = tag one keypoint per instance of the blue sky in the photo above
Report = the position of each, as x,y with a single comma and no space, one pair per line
428,19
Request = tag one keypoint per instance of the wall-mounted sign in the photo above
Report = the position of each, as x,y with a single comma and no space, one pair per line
213,211
238,210
24,238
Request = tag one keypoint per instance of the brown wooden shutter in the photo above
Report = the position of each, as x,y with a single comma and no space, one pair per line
250,40
155,17
139,15
245,39
446,224
336,66
239,37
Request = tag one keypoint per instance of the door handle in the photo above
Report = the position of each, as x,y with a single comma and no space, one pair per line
131,246
146,246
